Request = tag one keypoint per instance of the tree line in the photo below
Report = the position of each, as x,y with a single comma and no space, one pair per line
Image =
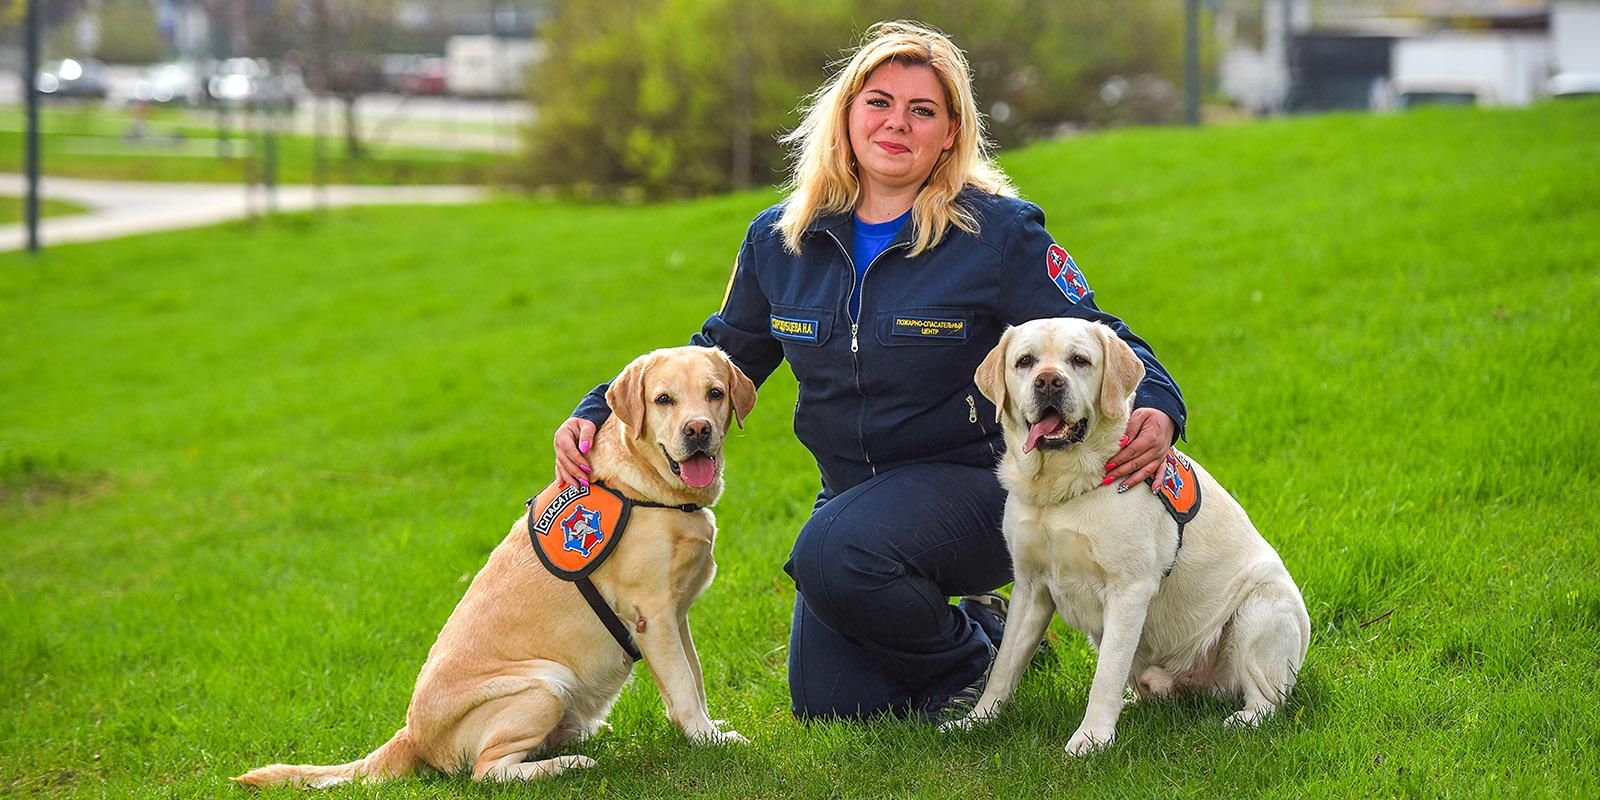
686,97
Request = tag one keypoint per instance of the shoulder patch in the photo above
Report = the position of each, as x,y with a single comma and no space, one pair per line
1064,273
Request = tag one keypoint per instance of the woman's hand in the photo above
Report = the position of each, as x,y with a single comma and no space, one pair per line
573,440
1144,447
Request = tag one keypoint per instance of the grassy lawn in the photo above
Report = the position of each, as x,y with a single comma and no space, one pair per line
184,146
12,210
245,473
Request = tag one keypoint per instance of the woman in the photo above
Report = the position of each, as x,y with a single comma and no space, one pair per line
884,279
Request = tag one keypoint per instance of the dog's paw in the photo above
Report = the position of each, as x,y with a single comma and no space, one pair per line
1084,742
966,723
719,737
1246,718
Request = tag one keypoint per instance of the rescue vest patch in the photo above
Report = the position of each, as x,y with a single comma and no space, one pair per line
1180,488
574,528
932,327
1064,273
800,330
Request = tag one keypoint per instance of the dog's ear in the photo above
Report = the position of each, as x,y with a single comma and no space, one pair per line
743,390
626,396
1120,373
991,375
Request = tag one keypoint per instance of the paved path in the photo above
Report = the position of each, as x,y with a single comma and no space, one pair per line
121,208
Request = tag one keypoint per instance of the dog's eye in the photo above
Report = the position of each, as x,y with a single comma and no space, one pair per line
1026,361
714,394
1080,361
663,399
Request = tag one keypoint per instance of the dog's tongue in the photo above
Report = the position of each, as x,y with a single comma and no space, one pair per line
698,470
1044,427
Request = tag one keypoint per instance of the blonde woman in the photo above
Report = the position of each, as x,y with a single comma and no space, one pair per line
889,272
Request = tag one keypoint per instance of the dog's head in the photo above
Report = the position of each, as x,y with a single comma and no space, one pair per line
677,405
1054,380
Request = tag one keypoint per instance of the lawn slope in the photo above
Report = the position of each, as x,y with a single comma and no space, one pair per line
246,472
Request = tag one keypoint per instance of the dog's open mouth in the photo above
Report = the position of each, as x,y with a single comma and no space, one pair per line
698,470
1052,432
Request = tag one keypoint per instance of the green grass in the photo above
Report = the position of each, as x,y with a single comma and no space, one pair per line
184,146
246,472
12,210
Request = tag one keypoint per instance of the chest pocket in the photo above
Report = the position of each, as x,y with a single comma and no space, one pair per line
799,325
917,327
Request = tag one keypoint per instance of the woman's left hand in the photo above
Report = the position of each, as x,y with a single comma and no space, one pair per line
1144,447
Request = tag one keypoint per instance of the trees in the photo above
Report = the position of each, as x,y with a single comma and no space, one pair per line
679,97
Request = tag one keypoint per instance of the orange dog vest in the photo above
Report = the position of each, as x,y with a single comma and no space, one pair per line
1179,491
574,529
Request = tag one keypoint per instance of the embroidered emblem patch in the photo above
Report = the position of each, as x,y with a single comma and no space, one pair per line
574,528
1179,489
800,330
582,527
931,327
1065,273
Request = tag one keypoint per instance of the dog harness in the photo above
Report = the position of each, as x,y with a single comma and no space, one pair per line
1180,493
574,529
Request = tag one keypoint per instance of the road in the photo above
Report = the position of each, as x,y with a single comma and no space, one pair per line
123,208
449,123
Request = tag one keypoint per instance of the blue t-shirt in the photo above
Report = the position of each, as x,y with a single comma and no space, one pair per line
870,239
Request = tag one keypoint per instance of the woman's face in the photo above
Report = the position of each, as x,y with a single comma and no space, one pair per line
899,124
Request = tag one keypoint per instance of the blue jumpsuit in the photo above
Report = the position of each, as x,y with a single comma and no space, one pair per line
909,512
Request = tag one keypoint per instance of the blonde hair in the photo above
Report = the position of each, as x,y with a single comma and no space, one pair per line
823,177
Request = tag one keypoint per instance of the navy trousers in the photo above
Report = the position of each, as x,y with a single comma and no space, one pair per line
874,631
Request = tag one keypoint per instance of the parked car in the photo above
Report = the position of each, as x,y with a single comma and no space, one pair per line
426,77
178,83
254,82
73,77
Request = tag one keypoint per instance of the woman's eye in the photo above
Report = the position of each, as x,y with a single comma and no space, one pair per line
1026,361
714,394
923,111
663,399
1080,361
877,102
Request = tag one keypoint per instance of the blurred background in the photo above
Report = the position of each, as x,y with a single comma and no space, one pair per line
645,99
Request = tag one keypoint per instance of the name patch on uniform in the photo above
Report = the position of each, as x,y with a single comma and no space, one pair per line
1064,273
800,330
931,327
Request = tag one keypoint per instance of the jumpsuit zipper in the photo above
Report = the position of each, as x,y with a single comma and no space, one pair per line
855,343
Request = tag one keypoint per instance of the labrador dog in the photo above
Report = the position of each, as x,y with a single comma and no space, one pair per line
523,664
1206,605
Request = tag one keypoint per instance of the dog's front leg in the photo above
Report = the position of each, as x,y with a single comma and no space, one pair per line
694,660
668,649
1031,608
1125,608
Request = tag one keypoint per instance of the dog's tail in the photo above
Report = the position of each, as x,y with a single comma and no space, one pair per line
395,758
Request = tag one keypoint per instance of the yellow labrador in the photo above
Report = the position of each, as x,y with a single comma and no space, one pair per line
524,664
1210,607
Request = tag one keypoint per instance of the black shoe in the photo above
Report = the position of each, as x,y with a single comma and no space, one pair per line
959,705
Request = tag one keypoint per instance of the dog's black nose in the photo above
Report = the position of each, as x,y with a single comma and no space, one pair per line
1049,380
697,431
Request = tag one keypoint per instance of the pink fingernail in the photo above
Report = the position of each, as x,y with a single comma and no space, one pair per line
1123,442
584,482
583,447
1109,478
1111,465
584,467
